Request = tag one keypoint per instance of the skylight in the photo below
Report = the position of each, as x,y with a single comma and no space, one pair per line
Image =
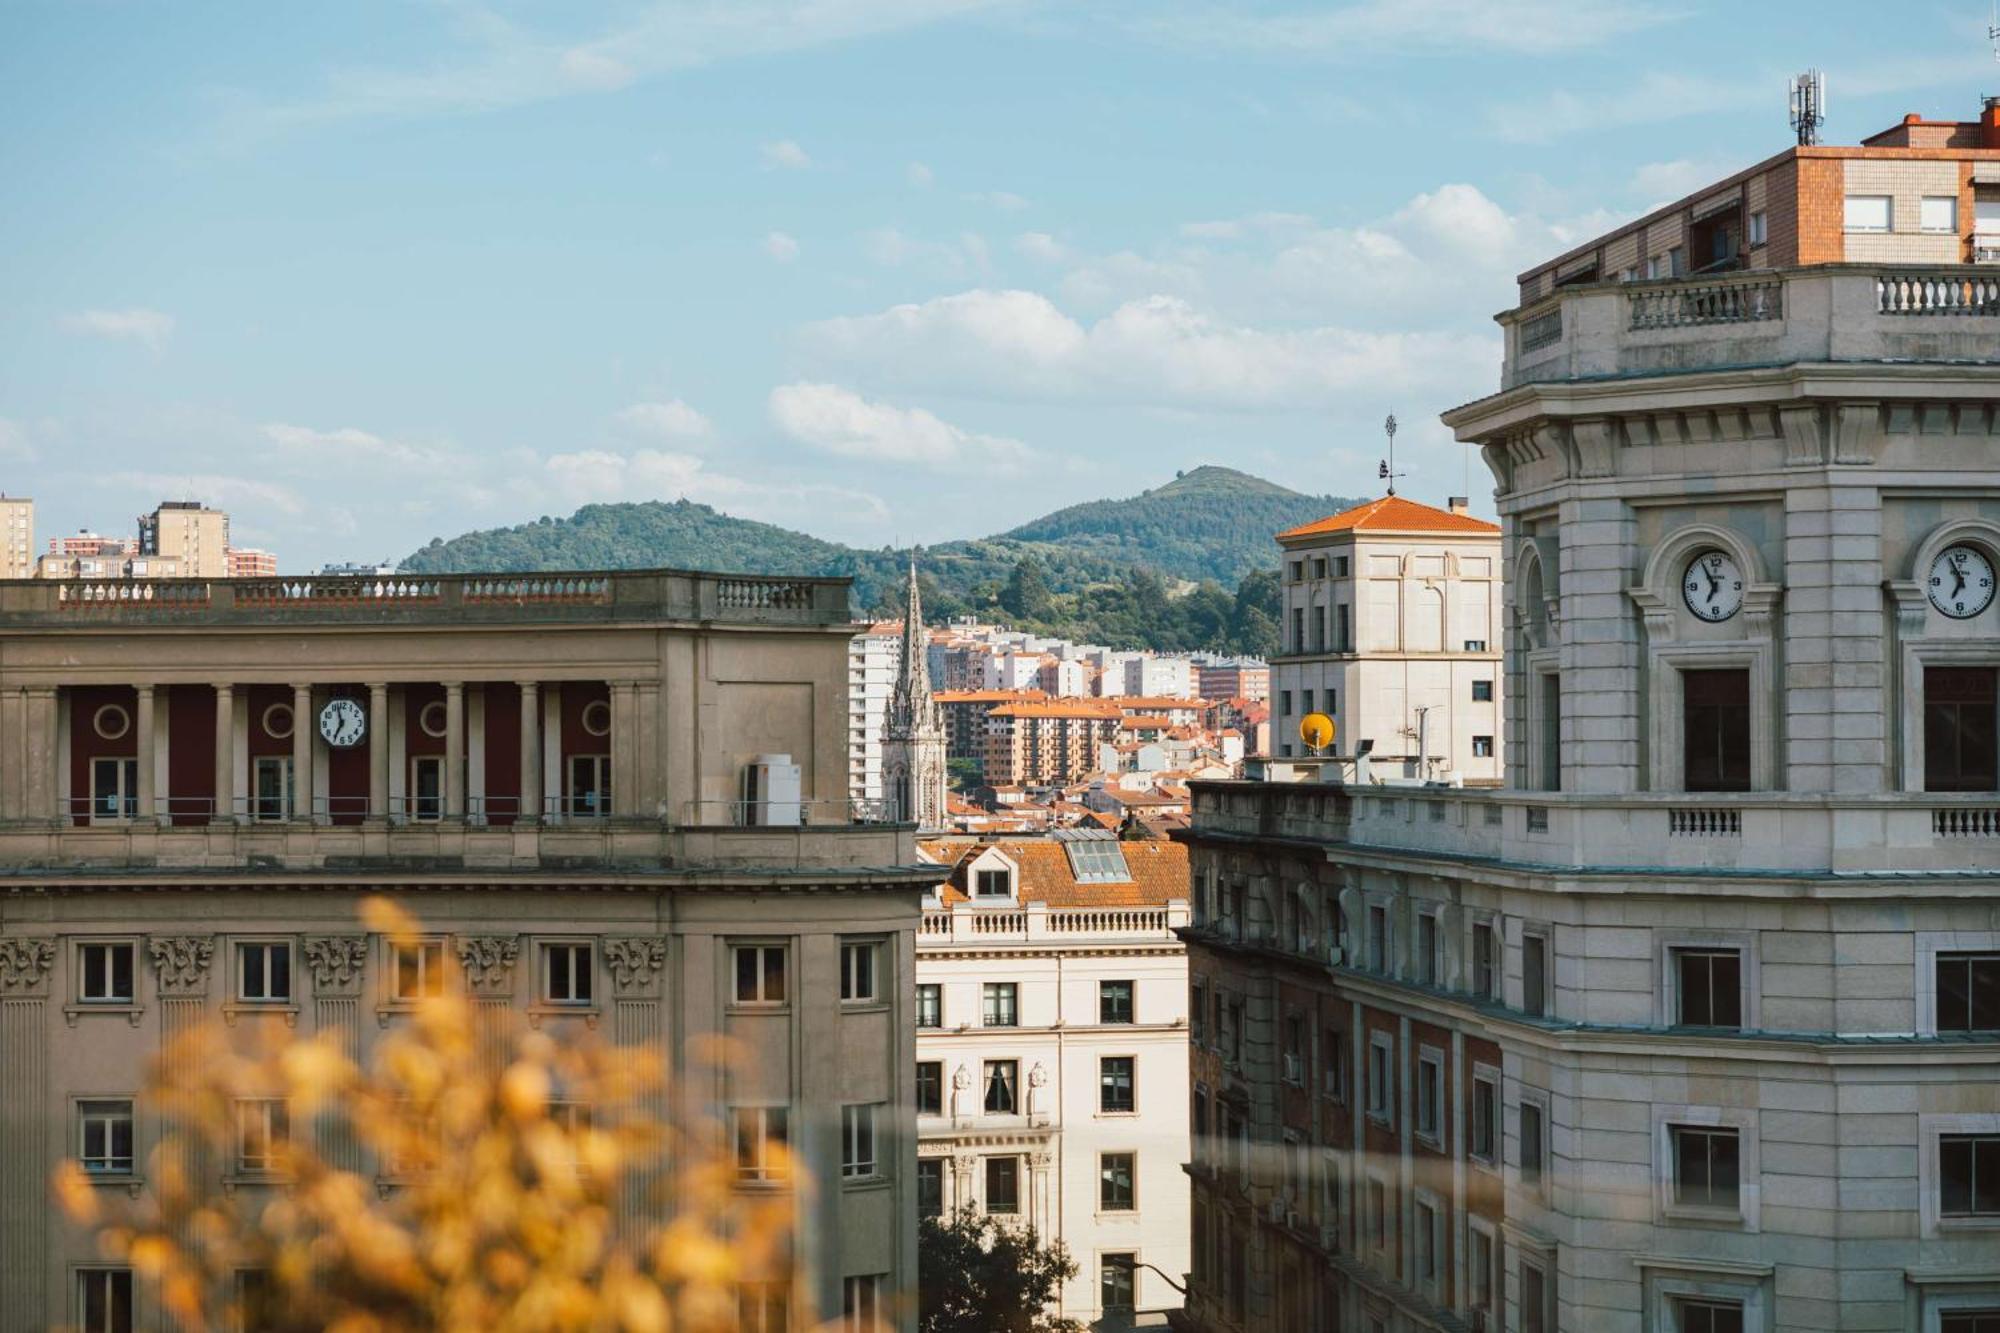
1095,856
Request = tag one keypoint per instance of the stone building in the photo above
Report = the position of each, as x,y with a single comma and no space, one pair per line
913,736
620,800
1694,1025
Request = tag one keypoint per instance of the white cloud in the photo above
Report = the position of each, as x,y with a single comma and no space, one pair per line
673,420
224,490
594,72
1042,246
920,175
604,476
14,445
893,248
138,324
842,422
1004,200
781,247
785,153
348,443
1532,27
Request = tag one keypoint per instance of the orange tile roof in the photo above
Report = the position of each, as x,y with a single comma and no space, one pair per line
1393,513
1159,872
989,696
1085,709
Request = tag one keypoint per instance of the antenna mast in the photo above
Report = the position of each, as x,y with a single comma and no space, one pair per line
1387,471
1808,102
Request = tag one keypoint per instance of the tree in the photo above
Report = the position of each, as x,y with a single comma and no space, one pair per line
977,1274
1027,590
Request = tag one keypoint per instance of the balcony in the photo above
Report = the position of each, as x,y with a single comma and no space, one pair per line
1038,923
1832,312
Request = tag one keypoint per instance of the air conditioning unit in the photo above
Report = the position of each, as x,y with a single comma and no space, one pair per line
771,785
1336,956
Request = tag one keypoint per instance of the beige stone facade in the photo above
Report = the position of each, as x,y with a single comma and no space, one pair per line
538,761
17,537
189,532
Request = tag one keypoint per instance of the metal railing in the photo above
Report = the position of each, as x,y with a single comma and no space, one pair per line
1937,294
124,808
786,814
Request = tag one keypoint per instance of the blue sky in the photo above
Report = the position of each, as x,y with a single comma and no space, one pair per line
885,270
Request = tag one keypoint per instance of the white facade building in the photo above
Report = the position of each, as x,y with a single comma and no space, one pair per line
1160,677
871,678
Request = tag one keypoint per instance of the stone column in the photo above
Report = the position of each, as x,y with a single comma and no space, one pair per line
454,749
142,726
302,753
338,964
623,740
224,808
181,968
963,1164
1041,1206
638,1019
42,756
488,964
25,1224
378,749
649,794
531,752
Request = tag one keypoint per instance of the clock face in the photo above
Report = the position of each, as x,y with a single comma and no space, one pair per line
1961,582
343,722
1713,586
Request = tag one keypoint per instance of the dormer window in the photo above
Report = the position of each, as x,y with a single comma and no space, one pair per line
993,884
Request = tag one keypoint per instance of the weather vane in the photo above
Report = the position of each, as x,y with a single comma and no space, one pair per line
1387,471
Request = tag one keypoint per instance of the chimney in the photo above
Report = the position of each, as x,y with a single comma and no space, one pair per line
1989,124
1458,504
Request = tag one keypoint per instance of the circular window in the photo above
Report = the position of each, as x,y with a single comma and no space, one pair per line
111,722
597,717
278,721
431,718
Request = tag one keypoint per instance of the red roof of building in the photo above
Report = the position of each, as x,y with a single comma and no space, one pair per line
1393,513
1159,872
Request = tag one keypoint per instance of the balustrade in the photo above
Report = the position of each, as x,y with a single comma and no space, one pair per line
1937,294
1684,304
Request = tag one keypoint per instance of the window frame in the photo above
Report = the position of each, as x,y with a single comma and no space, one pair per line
1496,956
239,952
1545,1001
1669,948
1104,1086
917,1087
88,1108
275,1115
861,961
1012,1084
79,1289
1427,1243
421,947
545,951
114,1003
1105,1180
755,1167
1744,1215
1104,997
1380,1099
1493,1288
1933,949
860,1144
1866,227
930,1166
991,991
1430,1062
1538,1185
934,993
760,998
1487,1077
986,1165
1932,1130
1924,225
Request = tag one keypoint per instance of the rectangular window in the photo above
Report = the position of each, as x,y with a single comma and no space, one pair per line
1298,629
761,1133
930,1187
1534,975
1115,1284
1306,696
106,969
1003,1091
1705,1167
1969,1175
1708,984
1759,229
1533,1137
427,786
1938,213
1709,1316
760,973
1534,1299
1430,1097
930,1005
1715,728
1333,1064
1115,1171
1378,1214
104,1137
1114,1002
263,1124
1867,212
1296,570
1482,691
861,1306
1343,628
1378,937
264,972
589,785
993,884
104,1300
1968,992
1485,974
271,785
1380,1085
1482,747
1294,1056
857,1142
1198,1013
1485,1118
930,1087
857,972
997,1008
114,789
1475,645
1114,1083
567,974
1551,731
1430,961
1479,1270
1423,1223
1003,1185
1284,703
419,970
1959,729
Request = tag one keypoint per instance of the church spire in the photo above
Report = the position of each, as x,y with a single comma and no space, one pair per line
913,679
913,750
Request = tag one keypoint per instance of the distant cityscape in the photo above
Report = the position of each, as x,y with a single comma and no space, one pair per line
179,539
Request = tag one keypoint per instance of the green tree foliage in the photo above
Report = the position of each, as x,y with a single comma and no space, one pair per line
1027,590
976,1274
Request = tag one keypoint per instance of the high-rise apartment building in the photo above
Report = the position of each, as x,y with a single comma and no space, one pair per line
248,562
872,658
192,534
17,537
1694,1025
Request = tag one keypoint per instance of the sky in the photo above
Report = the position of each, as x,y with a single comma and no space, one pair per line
886,271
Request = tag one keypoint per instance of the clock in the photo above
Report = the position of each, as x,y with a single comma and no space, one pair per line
343,723
1961,582
1713,586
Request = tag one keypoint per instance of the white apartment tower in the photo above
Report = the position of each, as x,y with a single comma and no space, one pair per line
873,657
913,746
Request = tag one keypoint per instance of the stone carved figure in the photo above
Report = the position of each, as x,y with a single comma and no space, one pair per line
1038,1082
25,963
182,962
961,1089
634,962
488,961
336,961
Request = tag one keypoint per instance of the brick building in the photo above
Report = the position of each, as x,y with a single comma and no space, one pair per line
1040,744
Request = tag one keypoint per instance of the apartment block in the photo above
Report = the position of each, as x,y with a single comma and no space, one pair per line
1045,743
17,537
190,533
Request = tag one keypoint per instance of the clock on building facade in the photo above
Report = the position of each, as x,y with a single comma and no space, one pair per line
1713,586
343,722
1961,582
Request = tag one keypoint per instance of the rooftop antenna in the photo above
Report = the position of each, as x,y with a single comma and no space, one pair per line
1808,98
1387,471
1993,29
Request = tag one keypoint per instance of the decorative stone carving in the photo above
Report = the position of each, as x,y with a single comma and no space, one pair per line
181,962
635,963
337,962
488,961
961,1090
1038,1083
1040,1161
1596,446
1805,443
1857,433
24,965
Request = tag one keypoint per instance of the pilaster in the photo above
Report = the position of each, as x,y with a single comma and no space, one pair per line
24,1127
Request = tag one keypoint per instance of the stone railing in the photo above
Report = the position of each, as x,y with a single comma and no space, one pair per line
975,924
1938,294
1736,301
1542,330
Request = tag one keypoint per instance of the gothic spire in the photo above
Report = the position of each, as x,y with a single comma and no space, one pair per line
913,677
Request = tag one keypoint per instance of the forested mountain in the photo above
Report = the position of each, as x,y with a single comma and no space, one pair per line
1109,571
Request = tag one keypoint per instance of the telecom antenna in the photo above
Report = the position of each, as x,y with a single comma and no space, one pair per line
1993,29
1387,471
1808,97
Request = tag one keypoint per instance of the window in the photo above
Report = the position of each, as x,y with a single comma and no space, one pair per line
1378,1214
1284,703
104,1137
760,973
1482,747
1294,1055
1114,1084
1198,1013
1708,987
1297,570
1959,729
1424,1225
589,785
1534,975
106,973
426,786
104,1300
1550,749
1968,992
264,972
1482,691
1333,1064
1485,1117
1343,628
930,1005
857,972
263,1124
419,969
1115,1274
1759,230
1969,1175
1114,1002
1705,1167
1475,646
1938,212
271,780
1378,937
1479,1269
1430,1096
566,974
930,1087
1867,212
1710,1316
763,1307
1298,629
993,884
114,788
1656,266
1969,1321
1533,1149
1534,1298
1715,729
861,1303
1003,1184
1003,1087
997,1005
1114,1182
930,1187
1484,974
1430,961
1340,566
761,1134
1380,1090
857,1142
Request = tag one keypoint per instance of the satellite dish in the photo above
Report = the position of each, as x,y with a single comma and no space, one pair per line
1316,730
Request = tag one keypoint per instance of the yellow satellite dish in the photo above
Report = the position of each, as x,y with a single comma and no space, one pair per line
1316,730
